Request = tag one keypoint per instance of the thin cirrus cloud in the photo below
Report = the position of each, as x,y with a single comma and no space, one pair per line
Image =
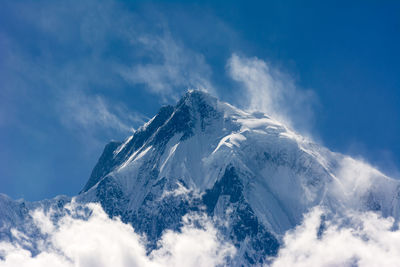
79,61
90,113
179,68
64,63
74,240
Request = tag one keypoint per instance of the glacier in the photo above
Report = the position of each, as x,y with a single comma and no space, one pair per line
252,175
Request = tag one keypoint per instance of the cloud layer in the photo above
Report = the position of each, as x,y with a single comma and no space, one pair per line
75,240
359,239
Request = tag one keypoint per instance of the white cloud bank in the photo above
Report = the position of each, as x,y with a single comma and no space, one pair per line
102,242
271,91
359,239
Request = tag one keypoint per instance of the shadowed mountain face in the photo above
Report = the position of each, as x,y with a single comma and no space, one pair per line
251,175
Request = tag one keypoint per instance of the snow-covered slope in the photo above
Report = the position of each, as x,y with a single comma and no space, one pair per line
253,176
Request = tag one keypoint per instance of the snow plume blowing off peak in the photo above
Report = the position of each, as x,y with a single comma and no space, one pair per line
204,183
272,91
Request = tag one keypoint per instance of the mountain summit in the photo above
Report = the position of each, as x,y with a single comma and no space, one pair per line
203,155
250,174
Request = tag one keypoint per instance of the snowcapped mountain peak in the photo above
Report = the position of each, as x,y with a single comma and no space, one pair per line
197,98
252,175
194,142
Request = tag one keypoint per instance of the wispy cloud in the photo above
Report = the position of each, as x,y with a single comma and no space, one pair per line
81,60
75,241
272,91
90,113
176,69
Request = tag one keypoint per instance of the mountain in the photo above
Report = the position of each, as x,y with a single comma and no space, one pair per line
253,176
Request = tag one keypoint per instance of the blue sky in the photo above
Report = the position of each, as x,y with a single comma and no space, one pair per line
74,75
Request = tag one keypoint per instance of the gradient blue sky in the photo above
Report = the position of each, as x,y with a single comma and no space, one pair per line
76,74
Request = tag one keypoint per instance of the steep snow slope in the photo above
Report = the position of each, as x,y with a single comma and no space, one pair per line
253,176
